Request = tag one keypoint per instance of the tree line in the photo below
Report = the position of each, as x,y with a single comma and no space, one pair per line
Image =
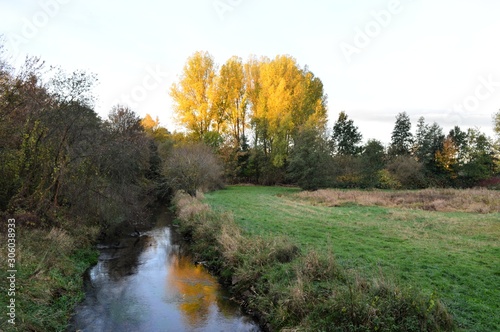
262,121
60,161
267,120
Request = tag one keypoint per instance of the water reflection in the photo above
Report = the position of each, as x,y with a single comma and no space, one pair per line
198,290
146,284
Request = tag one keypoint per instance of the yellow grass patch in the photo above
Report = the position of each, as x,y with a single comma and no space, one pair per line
443,200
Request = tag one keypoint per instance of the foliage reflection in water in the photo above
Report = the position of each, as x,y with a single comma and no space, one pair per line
146,284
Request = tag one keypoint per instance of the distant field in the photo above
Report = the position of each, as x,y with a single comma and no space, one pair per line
453,254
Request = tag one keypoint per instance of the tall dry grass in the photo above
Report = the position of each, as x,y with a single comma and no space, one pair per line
443,200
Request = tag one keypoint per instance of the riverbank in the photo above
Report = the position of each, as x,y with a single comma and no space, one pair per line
49,267
287,285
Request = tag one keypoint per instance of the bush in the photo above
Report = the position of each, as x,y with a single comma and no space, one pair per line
491,183
193,167
408,172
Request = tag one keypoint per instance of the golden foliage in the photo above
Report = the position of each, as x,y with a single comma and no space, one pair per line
277,97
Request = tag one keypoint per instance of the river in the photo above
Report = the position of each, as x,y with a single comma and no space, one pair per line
146,284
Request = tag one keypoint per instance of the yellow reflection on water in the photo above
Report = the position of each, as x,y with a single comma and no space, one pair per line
198,289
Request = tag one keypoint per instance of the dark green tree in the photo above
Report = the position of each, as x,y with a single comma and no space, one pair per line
459,138
429,140
373,159
345,137
309,160
401,138
481,160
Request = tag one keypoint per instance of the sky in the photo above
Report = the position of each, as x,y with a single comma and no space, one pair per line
376,58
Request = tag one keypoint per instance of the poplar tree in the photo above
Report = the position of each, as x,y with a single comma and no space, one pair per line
191,95
229,100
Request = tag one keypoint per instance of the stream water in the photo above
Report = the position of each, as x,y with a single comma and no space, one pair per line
146,284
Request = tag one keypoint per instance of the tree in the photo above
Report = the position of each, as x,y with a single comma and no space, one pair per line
309,160
288,98
193,167
429,140
122,120
401,138
373,160
496,123
446,158
459,138
481,160
273,114
408,172
345,137
191,95
149,124
59,160
275,98
152,127
230,100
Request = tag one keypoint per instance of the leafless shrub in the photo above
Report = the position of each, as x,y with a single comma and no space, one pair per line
193,167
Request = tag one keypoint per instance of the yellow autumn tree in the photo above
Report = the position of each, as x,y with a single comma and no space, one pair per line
149,124
446,157
229,100
154,130
288,98
191,95
275,98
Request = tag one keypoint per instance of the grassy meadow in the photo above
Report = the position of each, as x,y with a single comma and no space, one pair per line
441,242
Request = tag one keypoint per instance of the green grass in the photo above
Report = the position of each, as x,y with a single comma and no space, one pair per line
453,255
49,280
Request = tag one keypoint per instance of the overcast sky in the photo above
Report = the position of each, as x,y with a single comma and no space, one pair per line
433,58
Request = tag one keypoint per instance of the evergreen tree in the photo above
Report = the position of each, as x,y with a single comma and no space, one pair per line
430,140
401,138
345,137
459,138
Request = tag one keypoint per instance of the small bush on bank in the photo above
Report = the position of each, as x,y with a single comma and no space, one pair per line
191,167
290,290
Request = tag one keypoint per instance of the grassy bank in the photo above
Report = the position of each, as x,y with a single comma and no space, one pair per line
452,255
291,284
50,264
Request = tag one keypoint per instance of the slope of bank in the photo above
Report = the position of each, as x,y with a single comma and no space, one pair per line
49,268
